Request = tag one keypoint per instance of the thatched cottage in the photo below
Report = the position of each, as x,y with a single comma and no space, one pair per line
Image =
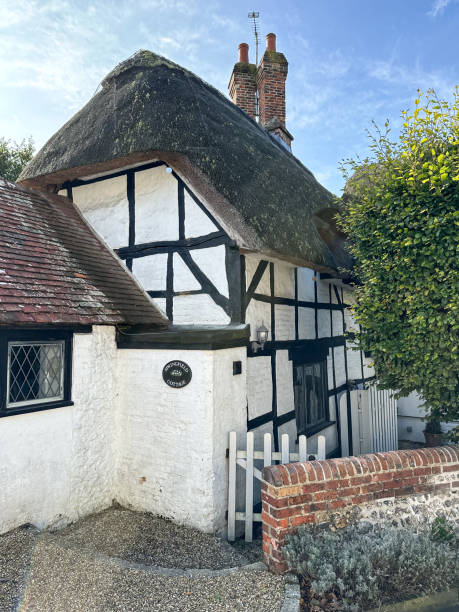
189,268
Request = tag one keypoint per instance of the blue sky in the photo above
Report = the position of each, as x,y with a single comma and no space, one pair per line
350,61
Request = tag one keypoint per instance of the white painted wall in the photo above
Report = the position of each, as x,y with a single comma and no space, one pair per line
104,204
410,419
57,465
197,223
156,212
151,271
171,458
128,437
183,278
229,414
259,386
194,309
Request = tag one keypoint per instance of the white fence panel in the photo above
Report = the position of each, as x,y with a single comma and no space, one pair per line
245,459
383,411
373,420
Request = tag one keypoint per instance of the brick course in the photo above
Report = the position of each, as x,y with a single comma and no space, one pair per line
301,493
243,87
271,76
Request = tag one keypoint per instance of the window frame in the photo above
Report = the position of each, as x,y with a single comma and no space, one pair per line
8,336
305,357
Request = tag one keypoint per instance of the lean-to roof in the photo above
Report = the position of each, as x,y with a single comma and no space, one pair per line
55,270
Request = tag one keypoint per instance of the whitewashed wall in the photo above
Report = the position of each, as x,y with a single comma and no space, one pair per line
128,437
172,444
410,419
56,465
104,204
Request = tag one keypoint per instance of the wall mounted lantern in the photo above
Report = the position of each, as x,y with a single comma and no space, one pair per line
262,338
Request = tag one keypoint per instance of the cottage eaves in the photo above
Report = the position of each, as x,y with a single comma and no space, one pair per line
149,107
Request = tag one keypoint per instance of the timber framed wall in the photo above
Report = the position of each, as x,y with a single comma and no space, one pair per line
167,238
194,271
303,314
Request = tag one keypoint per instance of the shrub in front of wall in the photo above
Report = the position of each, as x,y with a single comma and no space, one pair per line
361,567
399,213
443,530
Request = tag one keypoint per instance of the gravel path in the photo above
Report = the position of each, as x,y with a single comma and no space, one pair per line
148,539
66,581
72,570
16,549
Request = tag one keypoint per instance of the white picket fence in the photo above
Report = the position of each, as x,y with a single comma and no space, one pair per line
373,419
245,459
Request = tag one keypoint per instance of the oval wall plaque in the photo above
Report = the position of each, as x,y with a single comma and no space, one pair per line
177,374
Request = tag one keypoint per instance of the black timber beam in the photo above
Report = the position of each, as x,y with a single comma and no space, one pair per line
183,337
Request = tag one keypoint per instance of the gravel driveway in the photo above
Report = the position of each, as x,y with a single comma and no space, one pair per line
102,564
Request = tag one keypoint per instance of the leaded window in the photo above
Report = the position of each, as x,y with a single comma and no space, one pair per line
35,370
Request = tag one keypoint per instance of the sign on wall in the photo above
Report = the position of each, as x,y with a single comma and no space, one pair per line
177,374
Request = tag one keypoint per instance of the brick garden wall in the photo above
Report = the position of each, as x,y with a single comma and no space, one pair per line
373,487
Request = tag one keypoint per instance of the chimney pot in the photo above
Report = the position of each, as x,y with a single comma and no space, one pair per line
243,84
271,42
244,53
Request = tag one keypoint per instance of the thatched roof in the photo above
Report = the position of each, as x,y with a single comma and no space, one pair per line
149,107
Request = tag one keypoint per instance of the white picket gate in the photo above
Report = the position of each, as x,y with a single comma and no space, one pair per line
373,420
245,459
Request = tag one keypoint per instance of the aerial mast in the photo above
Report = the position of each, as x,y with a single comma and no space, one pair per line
254,16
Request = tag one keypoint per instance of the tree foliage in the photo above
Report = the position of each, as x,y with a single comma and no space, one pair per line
401,213
14,156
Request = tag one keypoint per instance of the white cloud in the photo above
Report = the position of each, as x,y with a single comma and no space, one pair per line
414,77
309,105
65,47
438,7
317,82
55,47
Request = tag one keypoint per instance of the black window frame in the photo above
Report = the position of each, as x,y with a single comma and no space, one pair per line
307,357
26,336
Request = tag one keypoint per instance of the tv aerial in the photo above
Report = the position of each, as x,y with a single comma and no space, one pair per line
254,16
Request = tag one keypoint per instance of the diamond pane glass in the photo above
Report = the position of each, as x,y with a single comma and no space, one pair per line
35,372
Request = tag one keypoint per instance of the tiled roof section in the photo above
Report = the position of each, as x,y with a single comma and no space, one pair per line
54,268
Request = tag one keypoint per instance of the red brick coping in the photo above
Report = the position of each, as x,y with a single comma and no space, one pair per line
299,493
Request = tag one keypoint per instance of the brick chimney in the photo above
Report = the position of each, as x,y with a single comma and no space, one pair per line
271,75
267,81
243,85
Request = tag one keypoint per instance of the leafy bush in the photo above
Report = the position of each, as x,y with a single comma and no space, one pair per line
14,157
400,212
442,530
363,568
